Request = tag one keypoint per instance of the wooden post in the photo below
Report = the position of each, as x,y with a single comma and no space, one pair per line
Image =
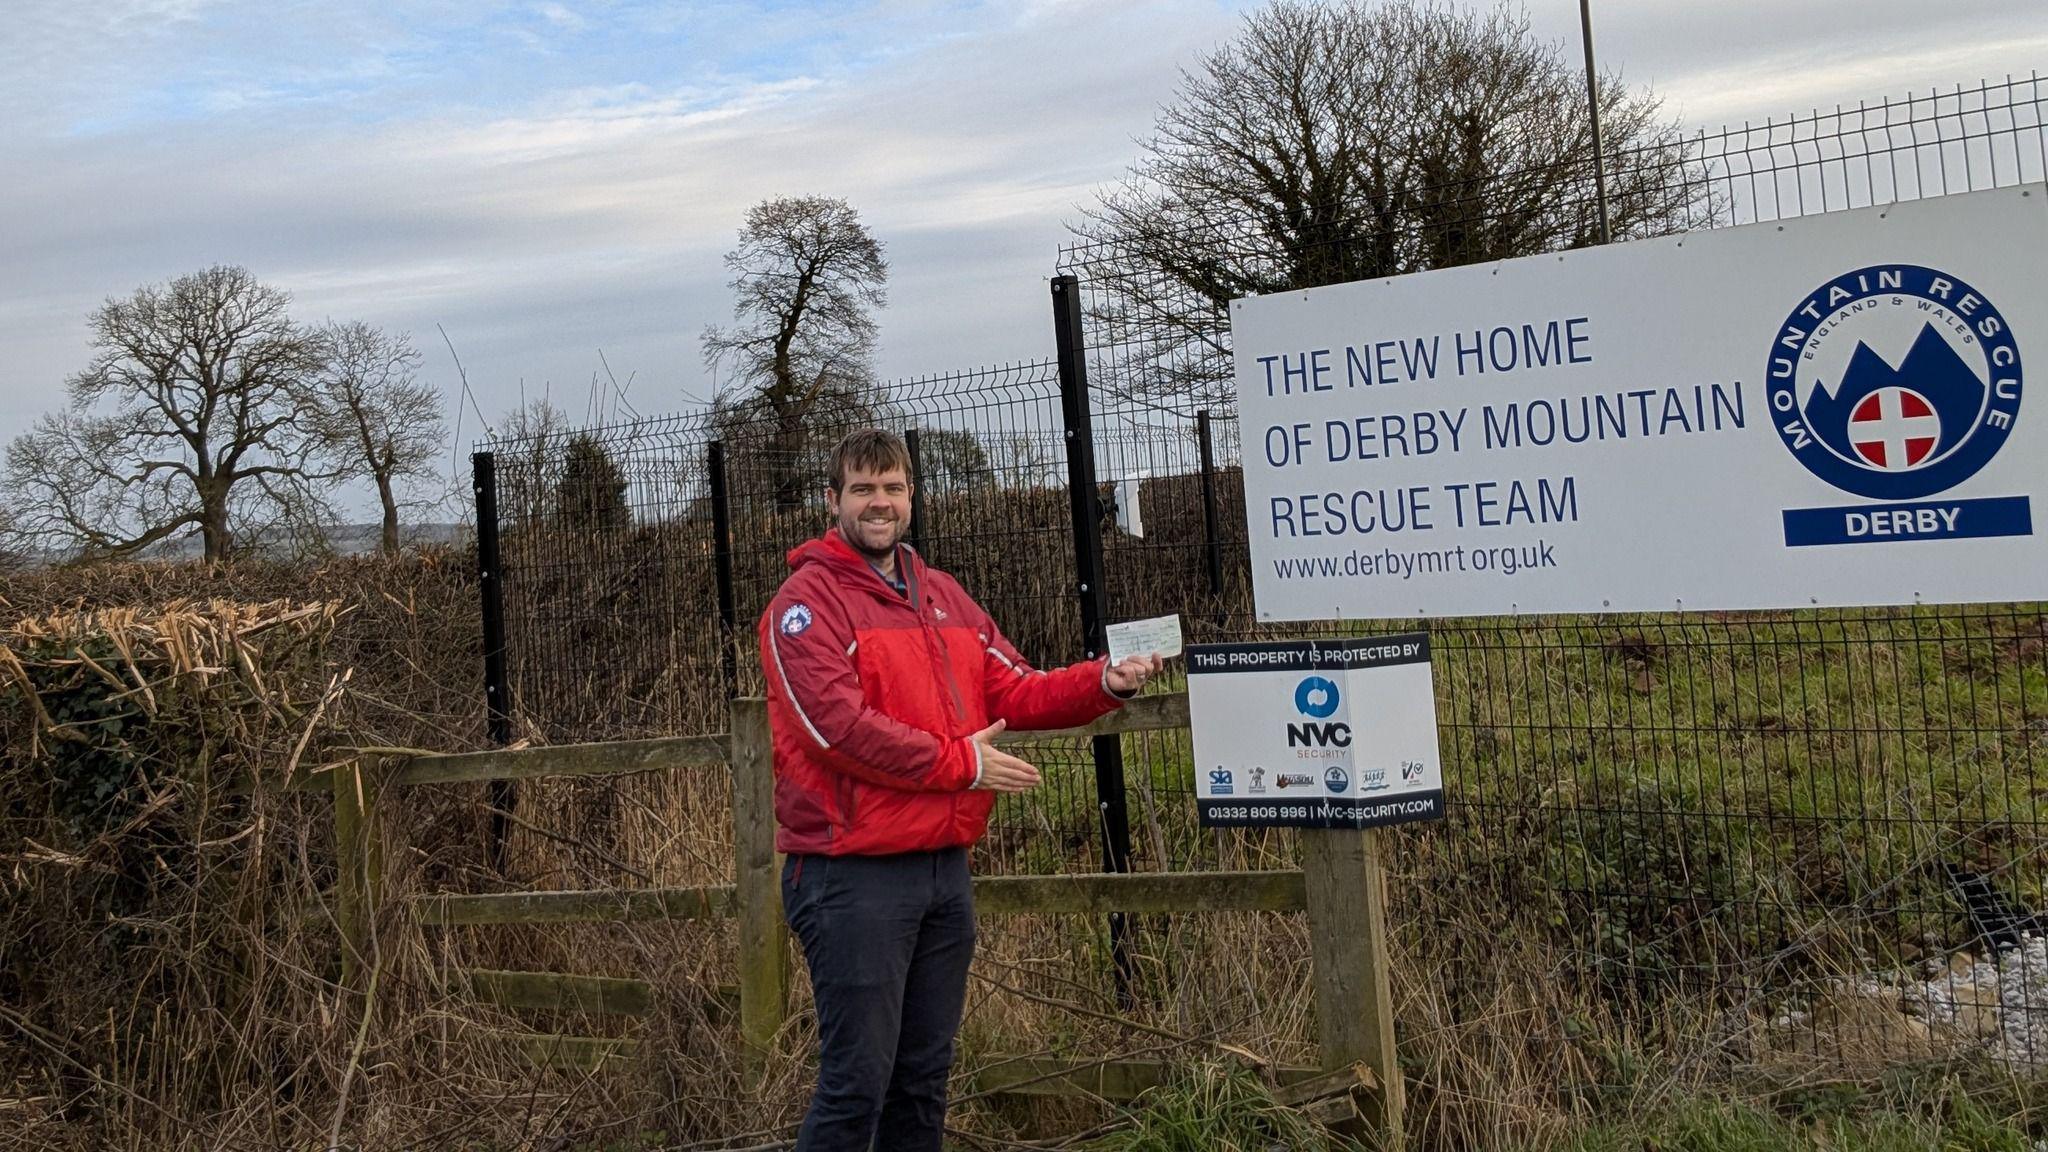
359,860
1347,915
757,880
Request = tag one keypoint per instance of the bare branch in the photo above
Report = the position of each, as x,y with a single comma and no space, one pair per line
372,418
1348,141
192,392
807,277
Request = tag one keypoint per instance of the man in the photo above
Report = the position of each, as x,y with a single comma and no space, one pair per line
887,686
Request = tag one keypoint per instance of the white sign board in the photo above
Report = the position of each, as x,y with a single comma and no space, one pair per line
1823,411
1315,733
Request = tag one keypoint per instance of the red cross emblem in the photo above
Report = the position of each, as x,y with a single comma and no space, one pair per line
1894,429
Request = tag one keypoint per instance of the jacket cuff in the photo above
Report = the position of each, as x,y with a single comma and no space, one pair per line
1112,693
960,767
976,782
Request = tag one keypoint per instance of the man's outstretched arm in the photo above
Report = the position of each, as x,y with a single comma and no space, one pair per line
1064,698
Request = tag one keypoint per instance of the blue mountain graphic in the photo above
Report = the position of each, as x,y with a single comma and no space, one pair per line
1931,368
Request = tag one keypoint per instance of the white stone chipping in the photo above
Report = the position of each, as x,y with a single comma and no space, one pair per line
2000,1004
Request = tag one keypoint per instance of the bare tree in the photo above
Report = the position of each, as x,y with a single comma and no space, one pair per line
530,439
189,420
376,420
537,420
953,461
1347,141
807,277
591,495
15,545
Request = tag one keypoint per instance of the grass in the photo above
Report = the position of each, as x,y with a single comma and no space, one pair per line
1957,1125
1665,833
1965,1110
1757,768
1688,826
1215,1108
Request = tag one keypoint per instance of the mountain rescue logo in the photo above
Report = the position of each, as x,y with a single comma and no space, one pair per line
795,619
1897,382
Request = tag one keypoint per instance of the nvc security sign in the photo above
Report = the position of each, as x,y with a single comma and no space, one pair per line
1344,731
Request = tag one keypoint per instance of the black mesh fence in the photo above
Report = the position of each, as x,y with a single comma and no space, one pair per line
1827,824
610,560
1774,812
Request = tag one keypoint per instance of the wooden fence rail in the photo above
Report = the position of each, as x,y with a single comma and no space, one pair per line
1340,886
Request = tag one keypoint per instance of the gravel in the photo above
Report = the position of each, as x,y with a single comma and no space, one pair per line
2000,1003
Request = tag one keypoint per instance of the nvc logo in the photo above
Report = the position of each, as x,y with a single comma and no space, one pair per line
1316,697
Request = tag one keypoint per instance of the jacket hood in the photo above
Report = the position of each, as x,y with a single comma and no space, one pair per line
832,551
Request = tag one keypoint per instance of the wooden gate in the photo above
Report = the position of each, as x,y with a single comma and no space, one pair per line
1340,886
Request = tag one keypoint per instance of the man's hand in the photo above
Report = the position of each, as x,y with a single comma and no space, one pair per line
1000,771
1128,676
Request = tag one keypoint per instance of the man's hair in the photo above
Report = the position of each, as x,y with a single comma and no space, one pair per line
870,450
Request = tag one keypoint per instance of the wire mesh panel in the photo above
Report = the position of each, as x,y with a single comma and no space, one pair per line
610,562
610,599
1824,828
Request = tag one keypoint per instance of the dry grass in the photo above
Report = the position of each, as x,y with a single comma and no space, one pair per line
175,972
168,971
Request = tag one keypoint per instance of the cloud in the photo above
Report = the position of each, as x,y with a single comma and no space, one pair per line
594,215
546,180
1748,59
561,17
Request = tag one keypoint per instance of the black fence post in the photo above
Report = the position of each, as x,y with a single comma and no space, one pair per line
1070,341
916,492
721,566
1211,545
498,794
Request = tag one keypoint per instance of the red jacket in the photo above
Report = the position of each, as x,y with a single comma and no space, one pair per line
873,697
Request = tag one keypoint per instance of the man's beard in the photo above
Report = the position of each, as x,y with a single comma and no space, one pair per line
851,530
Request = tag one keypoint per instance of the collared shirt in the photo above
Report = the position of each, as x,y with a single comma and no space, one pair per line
893,580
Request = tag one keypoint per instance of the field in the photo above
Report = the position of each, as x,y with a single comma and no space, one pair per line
1702,888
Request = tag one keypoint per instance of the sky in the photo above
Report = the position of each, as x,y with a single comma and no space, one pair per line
552,185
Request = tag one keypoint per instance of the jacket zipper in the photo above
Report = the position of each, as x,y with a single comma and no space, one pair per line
931,640
914,595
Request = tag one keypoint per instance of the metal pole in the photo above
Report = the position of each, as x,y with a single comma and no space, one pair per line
1593,110
916,491
1213,546
1085,502
721,566
498,794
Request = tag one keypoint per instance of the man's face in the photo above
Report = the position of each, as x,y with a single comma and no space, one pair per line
873,510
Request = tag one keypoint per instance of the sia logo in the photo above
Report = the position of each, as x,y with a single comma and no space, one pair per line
1895,382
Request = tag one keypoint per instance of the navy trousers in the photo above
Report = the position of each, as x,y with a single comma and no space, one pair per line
888,940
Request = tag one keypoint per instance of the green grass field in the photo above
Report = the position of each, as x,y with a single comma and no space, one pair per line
1806,760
